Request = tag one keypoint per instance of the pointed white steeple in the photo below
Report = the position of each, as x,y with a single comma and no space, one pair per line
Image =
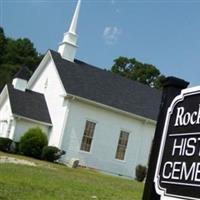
67,48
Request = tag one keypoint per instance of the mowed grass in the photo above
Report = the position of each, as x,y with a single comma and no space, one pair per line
50,181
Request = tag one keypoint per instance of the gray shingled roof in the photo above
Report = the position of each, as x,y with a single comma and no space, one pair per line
29,104
105,87
23,73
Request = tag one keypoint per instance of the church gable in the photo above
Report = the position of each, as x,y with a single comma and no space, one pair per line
46,78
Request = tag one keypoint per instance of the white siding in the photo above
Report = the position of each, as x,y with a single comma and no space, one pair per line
22,125
5,114
49,83
105,140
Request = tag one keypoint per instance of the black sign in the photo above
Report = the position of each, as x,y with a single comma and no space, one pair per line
178,168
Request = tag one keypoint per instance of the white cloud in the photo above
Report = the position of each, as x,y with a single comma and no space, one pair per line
111,34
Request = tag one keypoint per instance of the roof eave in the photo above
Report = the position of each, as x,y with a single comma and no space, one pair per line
38,70
146,120
33,120
3,94
60,80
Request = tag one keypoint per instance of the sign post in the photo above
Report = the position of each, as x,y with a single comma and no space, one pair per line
173,87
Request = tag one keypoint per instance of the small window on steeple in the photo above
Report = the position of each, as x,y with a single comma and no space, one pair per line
46,84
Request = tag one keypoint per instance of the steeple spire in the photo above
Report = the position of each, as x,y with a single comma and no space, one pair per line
67,48
73,25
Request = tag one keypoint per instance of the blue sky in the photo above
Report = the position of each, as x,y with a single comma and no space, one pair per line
159,32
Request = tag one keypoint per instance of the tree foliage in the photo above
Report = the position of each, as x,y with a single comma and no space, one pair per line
15,53
145,73
2,43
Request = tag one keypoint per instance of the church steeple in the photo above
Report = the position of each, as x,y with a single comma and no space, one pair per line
67,48
73,25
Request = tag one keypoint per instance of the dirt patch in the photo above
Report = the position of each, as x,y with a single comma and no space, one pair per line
6,159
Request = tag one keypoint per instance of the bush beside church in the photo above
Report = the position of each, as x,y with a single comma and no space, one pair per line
33,143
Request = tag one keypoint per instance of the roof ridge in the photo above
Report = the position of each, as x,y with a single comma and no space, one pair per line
77,61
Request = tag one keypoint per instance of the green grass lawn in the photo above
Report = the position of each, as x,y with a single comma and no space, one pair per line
50,181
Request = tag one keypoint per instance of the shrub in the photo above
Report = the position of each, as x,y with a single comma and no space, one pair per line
141,172
5,144
51,153
32,142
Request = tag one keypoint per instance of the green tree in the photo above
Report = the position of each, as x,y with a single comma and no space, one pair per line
145,73
2,43
21,52
15,53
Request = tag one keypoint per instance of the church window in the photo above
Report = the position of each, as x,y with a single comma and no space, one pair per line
122,145
88,136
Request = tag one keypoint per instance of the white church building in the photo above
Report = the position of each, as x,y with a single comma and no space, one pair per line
104,120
